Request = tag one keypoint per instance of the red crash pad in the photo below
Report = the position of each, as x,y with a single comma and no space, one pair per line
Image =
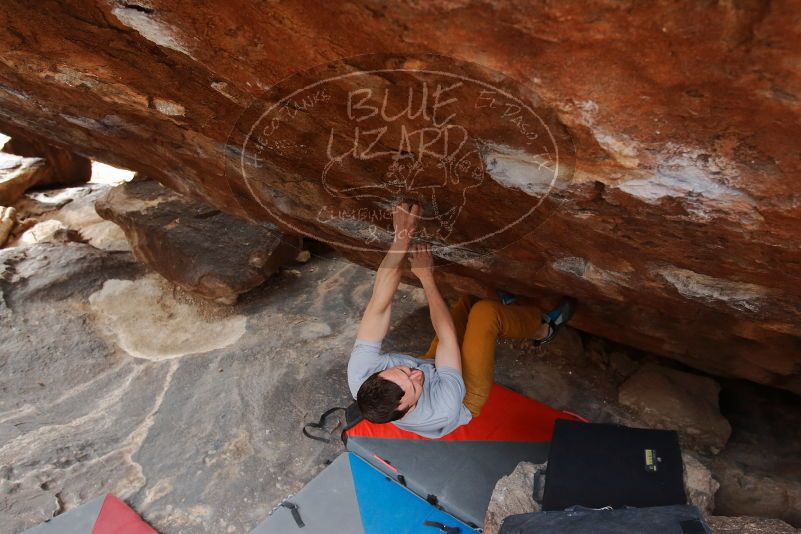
116,517
507,416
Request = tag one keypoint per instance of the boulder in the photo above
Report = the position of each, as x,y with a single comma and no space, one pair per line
66,167
622,364
699,484
748,490
7,220
18,174
48,231
675,400
192,244
672,214
67,213
25,163
615,359
514,494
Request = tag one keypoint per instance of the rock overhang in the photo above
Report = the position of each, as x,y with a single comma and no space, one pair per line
677,232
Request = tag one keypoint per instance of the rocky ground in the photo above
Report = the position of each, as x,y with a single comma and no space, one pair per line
114,380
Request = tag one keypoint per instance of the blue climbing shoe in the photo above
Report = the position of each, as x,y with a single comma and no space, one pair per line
506,298
555,319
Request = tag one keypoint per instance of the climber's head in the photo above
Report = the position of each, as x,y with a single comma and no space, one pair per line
389,394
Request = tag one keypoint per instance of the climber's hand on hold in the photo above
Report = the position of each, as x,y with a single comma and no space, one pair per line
404,219
422,261
448,353
375,321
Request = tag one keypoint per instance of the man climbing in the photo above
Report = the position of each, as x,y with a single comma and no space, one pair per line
432,399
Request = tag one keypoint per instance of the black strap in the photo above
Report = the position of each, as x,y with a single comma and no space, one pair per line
321,424
295,513
352,417
443,528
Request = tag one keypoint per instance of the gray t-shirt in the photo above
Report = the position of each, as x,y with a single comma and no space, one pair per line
440,408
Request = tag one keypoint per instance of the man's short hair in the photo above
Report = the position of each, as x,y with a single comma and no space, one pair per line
378,400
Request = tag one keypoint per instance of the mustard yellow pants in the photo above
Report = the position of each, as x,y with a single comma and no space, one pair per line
479,324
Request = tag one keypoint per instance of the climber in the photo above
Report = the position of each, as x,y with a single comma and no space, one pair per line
416,395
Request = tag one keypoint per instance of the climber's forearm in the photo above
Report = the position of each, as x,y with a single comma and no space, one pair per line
375,322
448,353
388,276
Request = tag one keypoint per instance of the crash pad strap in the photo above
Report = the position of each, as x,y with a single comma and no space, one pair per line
320,425
507,416
352,417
